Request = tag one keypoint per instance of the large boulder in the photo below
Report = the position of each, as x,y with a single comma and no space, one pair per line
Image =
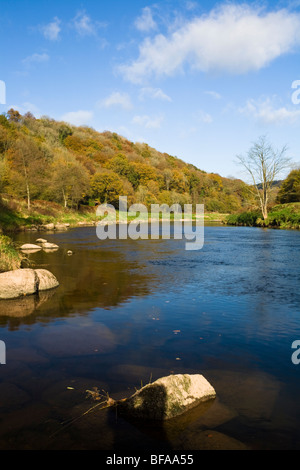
46,279
19,282
168,397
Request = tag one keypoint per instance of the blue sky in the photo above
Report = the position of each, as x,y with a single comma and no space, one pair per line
196,79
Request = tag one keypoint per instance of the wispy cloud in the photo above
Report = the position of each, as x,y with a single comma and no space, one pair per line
117,99
35,59
213,94
267,112
78,118
51,30
84,25
203,117
26,107
145,22
148,122
153,93
232,38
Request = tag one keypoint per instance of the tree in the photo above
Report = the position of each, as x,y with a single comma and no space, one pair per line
290,188
14,115
264,164
27,168
107,187
69,183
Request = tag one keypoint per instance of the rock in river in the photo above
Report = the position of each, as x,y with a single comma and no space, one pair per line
29,248
20,282
49,246
168,397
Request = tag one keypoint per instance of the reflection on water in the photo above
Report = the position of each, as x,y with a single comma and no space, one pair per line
128,312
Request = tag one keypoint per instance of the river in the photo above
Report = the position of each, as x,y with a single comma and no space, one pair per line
130,311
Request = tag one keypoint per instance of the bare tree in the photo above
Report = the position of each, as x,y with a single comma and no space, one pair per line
264,164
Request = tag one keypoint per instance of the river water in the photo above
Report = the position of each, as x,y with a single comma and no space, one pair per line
130,311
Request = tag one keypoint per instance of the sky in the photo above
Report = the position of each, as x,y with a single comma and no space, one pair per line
199,80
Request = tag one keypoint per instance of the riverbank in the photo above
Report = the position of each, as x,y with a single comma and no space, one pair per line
281,216
10,257
45,215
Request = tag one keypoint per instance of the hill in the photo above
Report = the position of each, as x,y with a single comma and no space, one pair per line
78,167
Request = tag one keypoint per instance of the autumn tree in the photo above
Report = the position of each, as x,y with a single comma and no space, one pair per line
26,168
69,183
106,187
14,115
290,188
263,164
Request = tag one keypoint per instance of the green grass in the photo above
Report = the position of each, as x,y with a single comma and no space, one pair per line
280,216
10,258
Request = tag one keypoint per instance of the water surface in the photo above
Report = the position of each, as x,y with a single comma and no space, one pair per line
128,312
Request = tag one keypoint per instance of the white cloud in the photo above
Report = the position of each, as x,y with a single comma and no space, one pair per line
213,94
35,58
266,112
25,107
84,25
233,38
154,93
145,22
51,31
78,118
202,116
117,99
148,122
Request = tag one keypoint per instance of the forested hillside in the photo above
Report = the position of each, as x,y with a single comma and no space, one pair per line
42,159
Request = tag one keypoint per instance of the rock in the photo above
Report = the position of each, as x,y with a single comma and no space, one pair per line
46,280
69,253
30,247
61,227
168,397
41,240
48,226
20,282
49,246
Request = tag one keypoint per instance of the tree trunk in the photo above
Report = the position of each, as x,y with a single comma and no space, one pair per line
65,199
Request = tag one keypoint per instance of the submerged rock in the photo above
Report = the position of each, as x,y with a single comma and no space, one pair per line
19,282
168,397
49,246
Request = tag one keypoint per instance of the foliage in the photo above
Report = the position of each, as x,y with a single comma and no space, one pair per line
290,188
280,216
10,258
44,159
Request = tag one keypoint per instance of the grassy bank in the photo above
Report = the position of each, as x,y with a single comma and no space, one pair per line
14,215
10,258
286,216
